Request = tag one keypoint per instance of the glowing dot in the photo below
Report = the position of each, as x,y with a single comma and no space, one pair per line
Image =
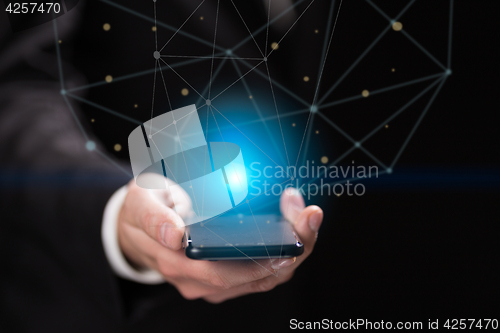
306,78
317,132
324,160
365,93
90,145
184,92
397,26
275,46
201,245
92,120
150,136
108,78
241,222
268,222
118,147
386,126
60,41
135,106
393,70
293,124
201,18
338,195
250,96
316,31
153,28
106,26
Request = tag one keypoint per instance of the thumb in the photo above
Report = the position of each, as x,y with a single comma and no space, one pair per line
143,210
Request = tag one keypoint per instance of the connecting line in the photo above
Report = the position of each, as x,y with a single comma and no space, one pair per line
161,24
156,30
258,229
246,137
267,28
400,110
372,157
291,27
307,130
132,120
166,92
114,163
257,109
347,136
277,113
264,26
210,57
310,118
407,35
134,75
340,158
241,17
363,55
236,81
58,52
378,91
217,71
196,91
70,107
291,94
153,98
325,43
213,50
205,165
418,122
450,32
175,33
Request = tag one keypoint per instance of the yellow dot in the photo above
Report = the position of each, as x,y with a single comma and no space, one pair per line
338,195
106,26
317,132
293,124
60,41
306,78
92,120
386,126
394,69
365,93
324,160
397,26
108,78
135,106
268,222
184,92
316,31
241,222
201,18
201,245
153,28
250,96
275,46
118,147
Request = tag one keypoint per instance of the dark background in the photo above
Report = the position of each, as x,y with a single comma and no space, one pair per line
422,243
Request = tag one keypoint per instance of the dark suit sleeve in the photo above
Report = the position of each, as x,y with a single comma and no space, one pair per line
53,191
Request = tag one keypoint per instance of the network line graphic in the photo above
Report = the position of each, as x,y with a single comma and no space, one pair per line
314,109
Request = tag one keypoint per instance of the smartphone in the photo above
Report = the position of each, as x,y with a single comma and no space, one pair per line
242,237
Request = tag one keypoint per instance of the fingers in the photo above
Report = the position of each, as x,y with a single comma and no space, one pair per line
291,204
143,210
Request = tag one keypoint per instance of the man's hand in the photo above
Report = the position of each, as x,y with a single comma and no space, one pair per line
150,234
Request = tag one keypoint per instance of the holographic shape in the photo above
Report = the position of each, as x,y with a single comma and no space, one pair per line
173,145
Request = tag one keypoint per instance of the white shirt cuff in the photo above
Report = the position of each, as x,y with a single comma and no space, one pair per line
109,235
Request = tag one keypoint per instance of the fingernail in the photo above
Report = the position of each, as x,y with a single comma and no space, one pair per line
315,221
163,231
284,263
